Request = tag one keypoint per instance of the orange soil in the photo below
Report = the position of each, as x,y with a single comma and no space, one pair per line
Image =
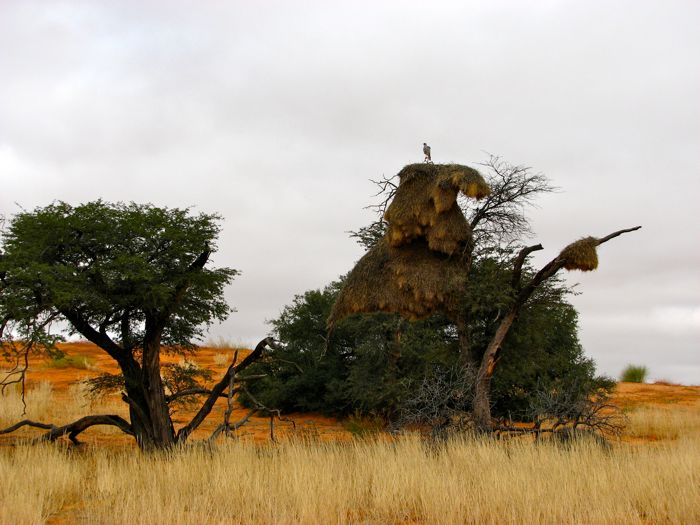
627,395
632,395
257,428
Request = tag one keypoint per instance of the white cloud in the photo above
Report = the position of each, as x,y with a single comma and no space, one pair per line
677,318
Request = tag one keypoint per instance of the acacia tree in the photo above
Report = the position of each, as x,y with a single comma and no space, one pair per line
521,293
134,280
497,222
500,220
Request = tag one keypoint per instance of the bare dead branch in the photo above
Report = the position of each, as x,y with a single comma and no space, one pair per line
567,411
231,428
27,423
18,373
251,377
272,412
518,264
386,188
193,392
72,430
482,407
500,217
229,397
219,388
439,401
287,361
617,233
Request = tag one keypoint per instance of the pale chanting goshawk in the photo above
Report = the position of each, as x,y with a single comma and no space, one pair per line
426,151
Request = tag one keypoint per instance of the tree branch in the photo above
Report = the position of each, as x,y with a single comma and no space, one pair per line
229,427
27,423
482,408
518,264
192,392
617,233
73,429
181,288
229,397
272,412
82,424
102,340
219,388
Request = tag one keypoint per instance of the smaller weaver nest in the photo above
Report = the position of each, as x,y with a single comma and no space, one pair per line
581,255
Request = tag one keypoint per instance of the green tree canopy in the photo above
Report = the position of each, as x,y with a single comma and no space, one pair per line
127,277
113,268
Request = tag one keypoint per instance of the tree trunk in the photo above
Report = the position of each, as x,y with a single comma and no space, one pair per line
163,432
138,407
482,402
145,394
482,388
466,352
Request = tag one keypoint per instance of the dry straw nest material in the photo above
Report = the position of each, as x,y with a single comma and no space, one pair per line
418,268
581,255
425,206
412,280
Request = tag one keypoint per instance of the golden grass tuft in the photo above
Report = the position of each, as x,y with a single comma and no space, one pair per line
649,477
581,255
466,480
664,423
38,403
411,280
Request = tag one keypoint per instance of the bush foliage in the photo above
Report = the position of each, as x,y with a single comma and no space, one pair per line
375,364
634,374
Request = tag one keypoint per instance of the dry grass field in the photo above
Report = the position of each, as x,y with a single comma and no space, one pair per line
320,474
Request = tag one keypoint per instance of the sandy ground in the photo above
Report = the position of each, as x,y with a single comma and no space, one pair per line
258,428
628,396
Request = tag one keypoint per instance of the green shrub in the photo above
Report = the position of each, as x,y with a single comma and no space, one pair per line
634,374
373,364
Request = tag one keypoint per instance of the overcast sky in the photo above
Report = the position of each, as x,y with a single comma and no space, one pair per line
276,114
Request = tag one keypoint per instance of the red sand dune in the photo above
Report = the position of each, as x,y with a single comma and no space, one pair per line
628,395
258,428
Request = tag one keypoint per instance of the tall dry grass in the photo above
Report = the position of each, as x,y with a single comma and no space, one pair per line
43,405
664,423
38,402
466,480
226,343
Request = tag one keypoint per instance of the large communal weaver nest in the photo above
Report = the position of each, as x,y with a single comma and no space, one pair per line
425,205
412,281
581,255
418,267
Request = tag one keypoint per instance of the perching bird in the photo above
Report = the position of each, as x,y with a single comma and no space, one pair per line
426,151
